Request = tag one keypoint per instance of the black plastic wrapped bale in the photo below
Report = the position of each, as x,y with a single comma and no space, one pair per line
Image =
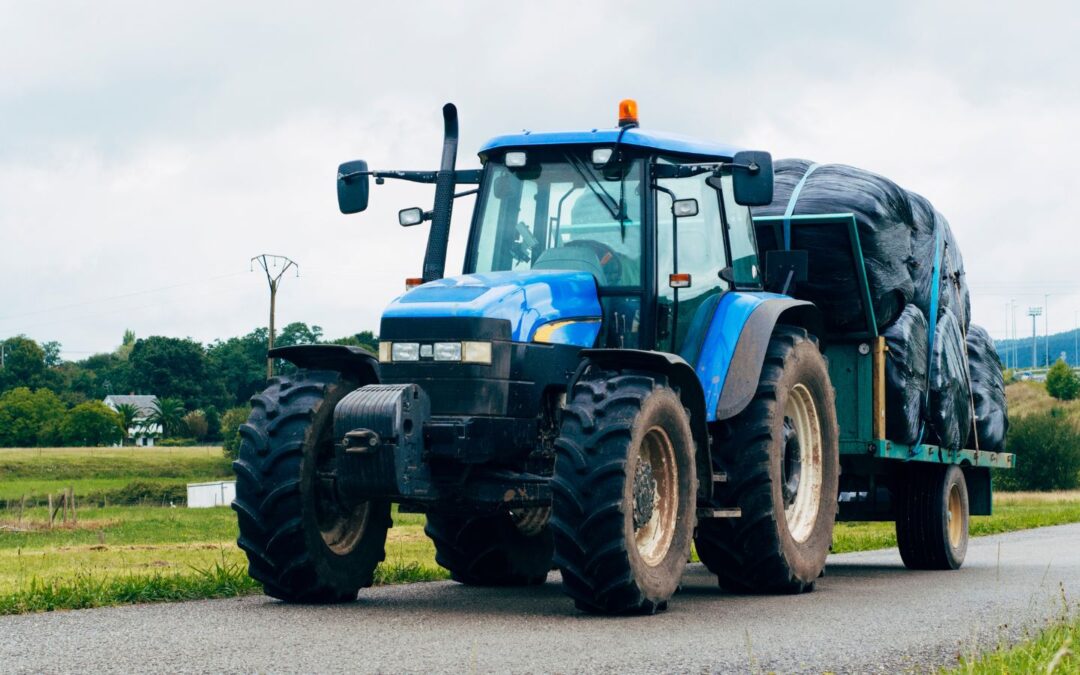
905,375
950,394
987,390
952,291
883,216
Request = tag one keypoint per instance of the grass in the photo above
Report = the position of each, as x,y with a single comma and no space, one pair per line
1055,648
30,470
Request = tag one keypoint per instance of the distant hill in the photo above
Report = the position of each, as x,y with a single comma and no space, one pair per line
1059,343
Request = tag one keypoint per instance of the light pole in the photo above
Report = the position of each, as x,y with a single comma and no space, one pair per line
1046,327
1015,347
1076,332
1034,312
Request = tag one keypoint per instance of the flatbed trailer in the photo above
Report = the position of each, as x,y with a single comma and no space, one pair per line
874,469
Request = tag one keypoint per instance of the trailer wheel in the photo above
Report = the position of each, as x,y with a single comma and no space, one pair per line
781,456
303,542
489,550
623,493
932,518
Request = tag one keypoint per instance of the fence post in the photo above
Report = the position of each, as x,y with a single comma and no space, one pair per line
22,505
51,512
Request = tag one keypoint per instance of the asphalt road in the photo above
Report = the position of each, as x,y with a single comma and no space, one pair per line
868,614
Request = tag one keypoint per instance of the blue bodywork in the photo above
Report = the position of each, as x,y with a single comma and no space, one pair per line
651,140
722,334
528,300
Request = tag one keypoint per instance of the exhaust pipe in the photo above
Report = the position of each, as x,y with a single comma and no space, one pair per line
439,234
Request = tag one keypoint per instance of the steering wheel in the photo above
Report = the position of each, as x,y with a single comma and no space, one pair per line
610,261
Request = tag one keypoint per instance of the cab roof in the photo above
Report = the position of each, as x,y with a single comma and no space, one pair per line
650,140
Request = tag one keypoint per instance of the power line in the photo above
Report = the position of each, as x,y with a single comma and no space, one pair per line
118,297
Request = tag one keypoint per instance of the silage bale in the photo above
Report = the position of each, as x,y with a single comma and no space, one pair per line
905,375
884,221
987,390
952,288
949,415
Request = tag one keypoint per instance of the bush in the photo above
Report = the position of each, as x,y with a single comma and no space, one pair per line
1047,448
29,418
91,423
1061,382
176,442
196,424
230,429
139,492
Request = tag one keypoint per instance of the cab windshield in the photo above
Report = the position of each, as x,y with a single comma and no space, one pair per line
562,212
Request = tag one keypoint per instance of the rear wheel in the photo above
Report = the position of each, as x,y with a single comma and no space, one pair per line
490,550
304,543
781,455
623,493
932,518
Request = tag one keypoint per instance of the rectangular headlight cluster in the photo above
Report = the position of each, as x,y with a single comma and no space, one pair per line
460,352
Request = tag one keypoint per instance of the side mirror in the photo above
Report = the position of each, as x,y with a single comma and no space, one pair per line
352,186
752,177
410,217
684,208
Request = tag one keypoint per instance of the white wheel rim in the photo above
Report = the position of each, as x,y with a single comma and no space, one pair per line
801,514
653,537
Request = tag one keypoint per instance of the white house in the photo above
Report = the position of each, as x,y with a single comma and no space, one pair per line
143,433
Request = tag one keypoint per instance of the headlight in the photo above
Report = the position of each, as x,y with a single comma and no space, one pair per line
476,352
447,351
406,351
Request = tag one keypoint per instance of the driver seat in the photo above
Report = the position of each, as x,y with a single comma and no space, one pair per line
573,258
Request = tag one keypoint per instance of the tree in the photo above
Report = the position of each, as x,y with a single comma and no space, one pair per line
29,419
298,333
172,368
365,339
230,429
128,413
90,424
1061,382
240,364
169,414
52,353
24,364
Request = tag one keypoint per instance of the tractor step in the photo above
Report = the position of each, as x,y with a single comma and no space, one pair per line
719,477
719,513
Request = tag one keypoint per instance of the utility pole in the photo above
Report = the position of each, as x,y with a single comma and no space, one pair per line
1046,327
1076,331
275,267
1015,347
1034,312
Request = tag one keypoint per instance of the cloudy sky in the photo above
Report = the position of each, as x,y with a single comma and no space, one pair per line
149,150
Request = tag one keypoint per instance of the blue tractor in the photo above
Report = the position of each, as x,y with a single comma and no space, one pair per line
607,382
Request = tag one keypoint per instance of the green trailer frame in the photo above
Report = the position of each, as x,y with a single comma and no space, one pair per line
871,464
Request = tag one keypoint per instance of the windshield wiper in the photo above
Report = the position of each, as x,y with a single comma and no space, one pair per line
593,183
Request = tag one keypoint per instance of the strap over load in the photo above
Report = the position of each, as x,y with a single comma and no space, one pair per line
953,286
884,219
987,391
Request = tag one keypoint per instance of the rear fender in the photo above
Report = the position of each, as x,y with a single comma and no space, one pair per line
681,377
732,352
355,362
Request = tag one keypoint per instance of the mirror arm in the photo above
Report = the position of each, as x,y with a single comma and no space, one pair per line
467,193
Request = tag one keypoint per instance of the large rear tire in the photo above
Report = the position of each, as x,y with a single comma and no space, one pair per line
623,493
932,518
303,543
781,457
489,550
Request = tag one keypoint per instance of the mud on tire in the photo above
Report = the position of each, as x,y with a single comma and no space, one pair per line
780,542
302,543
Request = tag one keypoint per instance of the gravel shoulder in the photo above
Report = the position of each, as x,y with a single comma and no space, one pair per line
868,614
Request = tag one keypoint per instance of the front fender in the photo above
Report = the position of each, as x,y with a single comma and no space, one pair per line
352,361
732,350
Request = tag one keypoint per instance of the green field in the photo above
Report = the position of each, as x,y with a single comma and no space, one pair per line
148,552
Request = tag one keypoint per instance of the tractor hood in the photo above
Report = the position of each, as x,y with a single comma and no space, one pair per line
564,303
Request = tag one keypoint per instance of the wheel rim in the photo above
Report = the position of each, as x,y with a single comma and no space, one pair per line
955,516
801,464
655,496
341,525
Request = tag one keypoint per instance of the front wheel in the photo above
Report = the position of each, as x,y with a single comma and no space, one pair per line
303,542
623,493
